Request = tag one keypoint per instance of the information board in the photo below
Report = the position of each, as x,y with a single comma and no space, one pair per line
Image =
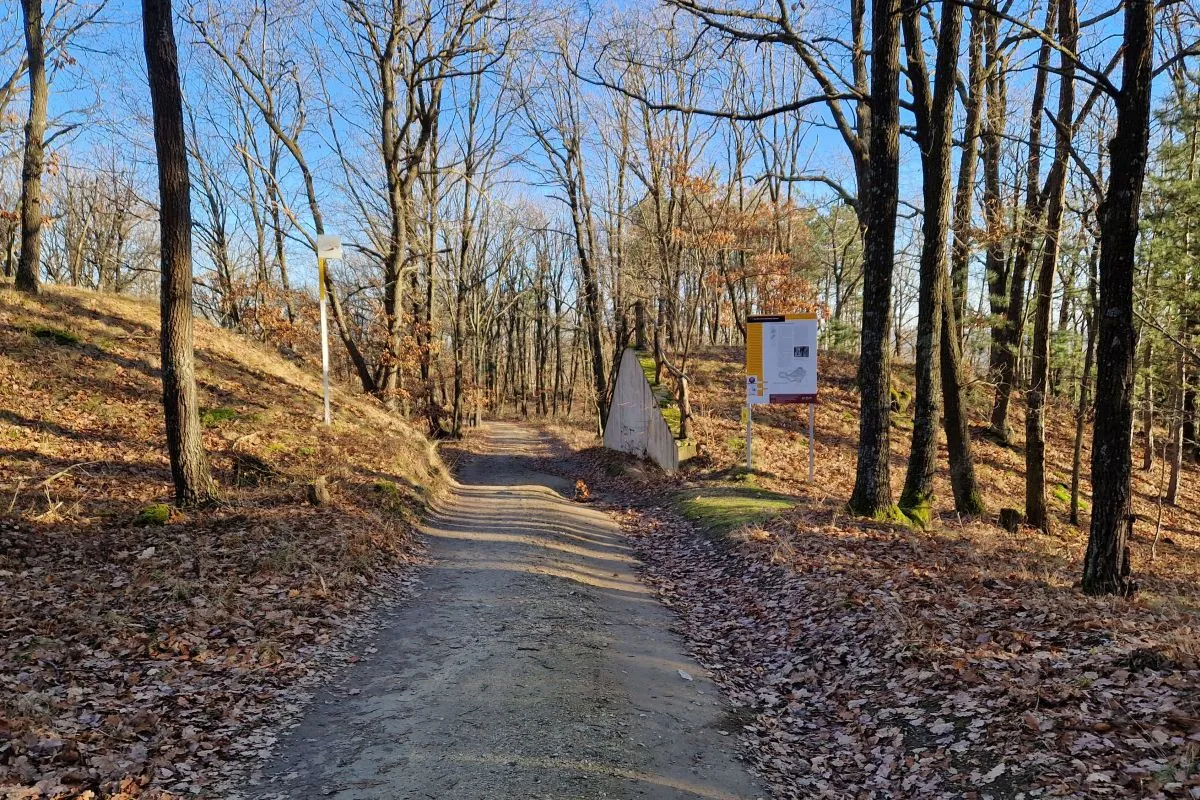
781,359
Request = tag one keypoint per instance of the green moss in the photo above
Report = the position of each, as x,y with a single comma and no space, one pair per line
388,488
394,498
662,395
901,398
673,418
648,366
211,417
975,506
891,515
918,508
717,511
1061,493
57,335
741,475
154,514
920,515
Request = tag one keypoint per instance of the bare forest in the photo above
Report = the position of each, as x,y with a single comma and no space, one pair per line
988,203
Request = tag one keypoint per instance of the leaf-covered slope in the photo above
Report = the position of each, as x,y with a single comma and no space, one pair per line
135,655
873,660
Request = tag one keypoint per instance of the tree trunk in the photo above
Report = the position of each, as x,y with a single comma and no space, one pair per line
1039,385
965,190
591,308
1175,447
1009,345
872,494
278,233
29,264
967,499
1148,404
996,261
934,137
189,464
1106,566
1089,355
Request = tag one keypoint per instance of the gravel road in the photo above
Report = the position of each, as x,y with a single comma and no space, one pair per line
531,664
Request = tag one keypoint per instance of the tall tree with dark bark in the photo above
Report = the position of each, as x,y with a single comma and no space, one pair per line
29,264
194,484
934,132
1056,184
1106,567
872,495
964,193
872,91
1008,337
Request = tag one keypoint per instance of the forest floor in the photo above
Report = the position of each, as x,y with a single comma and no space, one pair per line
531,663
882,661
140,659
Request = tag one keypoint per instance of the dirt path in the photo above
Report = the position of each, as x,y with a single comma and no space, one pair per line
532,664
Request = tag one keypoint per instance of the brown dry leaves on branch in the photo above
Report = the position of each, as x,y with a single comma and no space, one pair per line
143,660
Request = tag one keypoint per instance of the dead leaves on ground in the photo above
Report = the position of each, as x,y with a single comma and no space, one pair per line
153,661
883,663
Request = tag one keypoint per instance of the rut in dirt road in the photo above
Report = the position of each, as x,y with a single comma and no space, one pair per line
531,664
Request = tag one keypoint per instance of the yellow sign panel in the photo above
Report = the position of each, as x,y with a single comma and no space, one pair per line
781,358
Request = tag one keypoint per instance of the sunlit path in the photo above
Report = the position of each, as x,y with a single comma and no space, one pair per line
533,664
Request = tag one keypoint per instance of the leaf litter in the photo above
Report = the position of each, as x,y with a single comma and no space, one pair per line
161,661
881,662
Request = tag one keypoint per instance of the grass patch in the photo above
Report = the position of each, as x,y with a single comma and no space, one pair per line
155,514
719,510
57,335
672,416
648,366
211,417
388,489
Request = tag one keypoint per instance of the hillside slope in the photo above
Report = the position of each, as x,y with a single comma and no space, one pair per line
138,658
781,451
874,660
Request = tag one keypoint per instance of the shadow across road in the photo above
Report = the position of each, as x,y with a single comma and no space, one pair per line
532,663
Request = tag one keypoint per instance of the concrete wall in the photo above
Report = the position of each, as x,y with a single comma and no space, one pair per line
635,423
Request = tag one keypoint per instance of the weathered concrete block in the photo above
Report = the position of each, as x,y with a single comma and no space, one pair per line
635,422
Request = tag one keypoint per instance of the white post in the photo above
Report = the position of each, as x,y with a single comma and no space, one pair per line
749,436
812,412
324,340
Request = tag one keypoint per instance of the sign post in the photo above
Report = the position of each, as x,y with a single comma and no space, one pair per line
327,247
812,456
781,367
749,436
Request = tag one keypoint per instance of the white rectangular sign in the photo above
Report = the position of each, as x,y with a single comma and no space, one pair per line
781,359
329,246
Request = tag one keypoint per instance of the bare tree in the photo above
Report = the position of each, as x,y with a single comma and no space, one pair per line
556,120
872,494
30,263
189,463
1056,183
